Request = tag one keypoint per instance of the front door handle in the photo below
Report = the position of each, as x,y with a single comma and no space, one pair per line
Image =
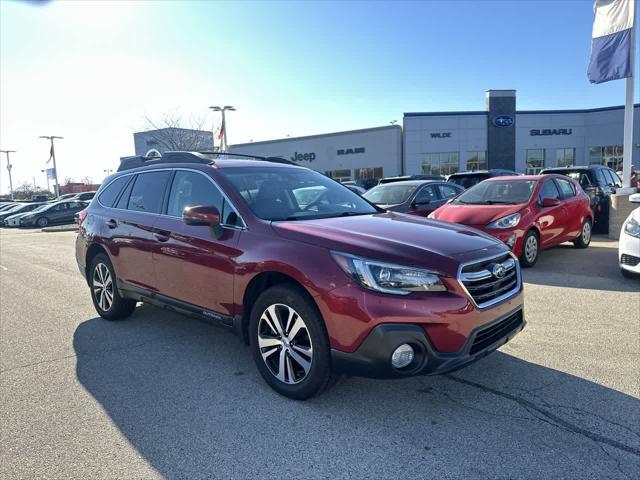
162,236
112,223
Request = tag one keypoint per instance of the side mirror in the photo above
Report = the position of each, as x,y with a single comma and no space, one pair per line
635,198
201,215
550,202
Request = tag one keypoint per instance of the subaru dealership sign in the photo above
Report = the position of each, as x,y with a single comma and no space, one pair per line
503,121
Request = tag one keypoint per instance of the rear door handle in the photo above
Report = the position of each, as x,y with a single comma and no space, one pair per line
112,223
162,236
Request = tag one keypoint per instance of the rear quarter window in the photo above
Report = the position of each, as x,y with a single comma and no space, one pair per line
109,195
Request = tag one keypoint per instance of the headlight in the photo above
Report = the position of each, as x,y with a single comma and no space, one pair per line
386,277
632,227
509,221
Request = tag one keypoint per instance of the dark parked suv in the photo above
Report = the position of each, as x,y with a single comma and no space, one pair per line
473,177
599,182
314,278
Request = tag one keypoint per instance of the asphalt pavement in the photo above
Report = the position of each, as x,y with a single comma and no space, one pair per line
165,396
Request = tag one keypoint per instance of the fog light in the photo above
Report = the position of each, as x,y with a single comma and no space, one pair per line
511,241
402,356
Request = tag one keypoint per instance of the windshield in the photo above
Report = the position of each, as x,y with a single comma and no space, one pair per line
498,192
16,208
390,194
294,194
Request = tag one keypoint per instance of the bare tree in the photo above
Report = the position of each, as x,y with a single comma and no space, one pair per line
87,180
68,180
26,190
173,132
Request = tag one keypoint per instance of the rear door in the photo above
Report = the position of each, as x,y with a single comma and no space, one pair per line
191,263
128,228
551,220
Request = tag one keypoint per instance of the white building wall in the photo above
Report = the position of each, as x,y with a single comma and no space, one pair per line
382,148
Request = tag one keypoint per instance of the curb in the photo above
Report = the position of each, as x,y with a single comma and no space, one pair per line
61,228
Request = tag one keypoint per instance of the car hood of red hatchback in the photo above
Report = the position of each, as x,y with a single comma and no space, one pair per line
474,214
399,238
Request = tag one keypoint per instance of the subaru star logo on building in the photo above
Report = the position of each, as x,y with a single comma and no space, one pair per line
503,121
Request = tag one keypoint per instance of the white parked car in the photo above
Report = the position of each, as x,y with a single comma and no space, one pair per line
629,249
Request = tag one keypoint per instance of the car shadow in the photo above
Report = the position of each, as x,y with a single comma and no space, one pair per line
595,267
187,396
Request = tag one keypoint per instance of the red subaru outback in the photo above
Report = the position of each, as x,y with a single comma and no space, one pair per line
313,277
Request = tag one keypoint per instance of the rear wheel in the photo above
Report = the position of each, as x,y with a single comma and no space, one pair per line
584,239
530,249
42,222
289,343
104,293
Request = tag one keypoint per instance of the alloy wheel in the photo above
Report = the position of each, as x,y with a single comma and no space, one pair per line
103,287
586,233
531,248
285,344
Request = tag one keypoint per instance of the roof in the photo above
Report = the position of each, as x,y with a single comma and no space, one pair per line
409,182
518,112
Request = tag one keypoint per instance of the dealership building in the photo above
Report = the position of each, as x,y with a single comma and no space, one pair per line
446,142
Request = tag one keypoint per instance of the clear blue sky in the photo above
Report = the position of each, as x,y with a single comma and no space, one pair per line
90,72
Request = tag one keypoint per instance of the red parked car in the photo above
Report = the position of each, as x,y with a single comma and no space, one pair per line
313,277
528,213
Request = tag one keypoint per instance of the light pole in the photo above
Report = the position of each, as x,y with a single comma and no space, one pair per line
223,126
53,156
7,152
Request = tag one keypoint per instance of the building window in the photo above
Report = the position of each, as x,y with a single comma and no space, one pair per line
368,173
611,156
339,175
477,161
440,163
565,157
535,161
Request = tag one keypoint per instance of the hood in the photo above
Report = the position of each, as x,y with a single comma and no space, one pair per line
474,214
395,237
17,215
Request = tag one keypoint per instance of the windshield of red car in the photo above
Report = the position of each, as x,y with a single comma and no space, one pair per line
508,192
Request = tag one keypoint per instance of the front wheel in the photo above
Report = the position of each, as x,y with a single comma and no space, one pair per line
289,343
42,222
584,239
530,249
104,293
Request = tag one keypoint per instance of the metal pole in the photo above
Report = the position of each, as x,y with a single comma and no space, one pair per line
224,132
9,166
55,168
627,151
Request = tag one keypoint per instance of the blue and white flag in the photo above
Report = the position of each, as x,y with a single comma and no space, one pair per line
51,173
611,40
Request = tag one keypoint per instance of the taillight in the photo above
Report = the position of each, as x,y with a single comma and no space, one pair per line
82,214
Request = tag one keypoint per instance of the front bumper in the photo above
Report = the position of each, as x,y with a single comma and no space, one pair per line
629,252
373,357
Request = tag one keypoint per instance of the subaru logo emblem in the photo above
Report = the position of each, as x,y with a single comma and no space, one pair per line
503,121
498,270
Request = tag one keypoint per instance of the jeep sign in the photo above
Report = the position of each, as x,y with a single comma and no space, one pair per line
303,157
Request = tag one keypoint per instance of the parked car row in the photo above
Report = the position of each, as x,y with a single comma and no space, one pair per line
40,214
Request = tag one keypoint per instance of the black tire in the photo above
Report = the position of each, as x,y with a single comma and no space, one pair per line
119,307
528,259
42,222
584,239
297,383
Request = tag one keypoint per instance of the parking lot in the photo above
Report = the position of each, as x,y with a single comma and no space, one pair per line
161,395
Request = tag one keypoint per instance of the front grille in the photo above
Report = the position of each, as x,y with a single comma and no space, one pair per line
490,335
629,260
484,284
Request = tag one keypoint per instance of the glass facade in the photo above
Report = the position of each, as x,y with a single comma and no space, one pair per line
535,161
565,157
370,173
477,161
444,163
339,175
610,155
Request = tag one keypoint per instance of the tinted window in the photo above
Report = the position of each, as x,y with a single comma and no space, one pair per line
448,191
390,193
612,178
190,189
601,179
148,189
108,196
468,181
427,194
566,188
60,207
549,190
124,198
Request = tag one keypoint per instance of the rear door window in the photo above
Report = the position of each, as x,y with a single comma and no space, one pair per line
109,195
148,191
447,191
190,189
567,188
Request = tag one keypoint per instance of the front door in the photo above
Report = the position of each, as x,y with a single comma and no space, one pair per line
552,220
191,263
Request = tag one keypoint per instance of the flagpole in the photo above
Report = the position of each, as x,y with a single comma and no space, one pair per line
628,111
55,167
